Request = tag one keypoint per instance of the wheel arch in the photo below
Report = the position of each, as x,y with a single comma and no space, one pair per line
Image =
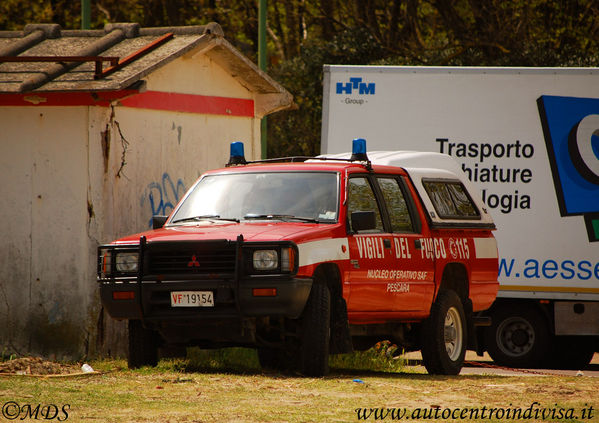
455,278
509,303
330,274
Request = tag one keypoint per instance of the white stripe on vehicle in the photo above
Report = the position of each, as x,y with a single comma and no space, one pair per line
485,248
323,250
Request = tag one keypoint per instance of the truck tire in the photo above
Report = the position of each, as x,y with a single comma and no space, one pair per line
143,348
315,339
571,353
444,335
518,337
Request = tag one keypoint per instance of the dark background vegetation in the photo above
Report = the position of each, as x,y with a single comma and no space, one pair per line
305,34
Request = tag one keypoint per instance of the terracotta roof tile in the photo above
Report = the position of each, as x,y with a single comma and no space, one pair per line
121,41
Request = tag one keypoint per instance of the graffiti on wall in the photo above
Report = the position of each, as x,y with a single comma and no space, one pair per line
162,196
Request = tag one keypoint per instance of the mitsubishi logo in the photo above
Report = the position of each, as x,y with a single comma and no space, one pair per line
193,262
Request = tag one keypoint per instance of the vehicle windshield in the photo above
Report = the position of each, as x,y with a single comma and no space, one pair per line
294,196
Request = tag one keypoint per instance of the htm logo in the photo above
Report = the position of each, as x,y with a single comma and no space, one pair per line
356,84
571,128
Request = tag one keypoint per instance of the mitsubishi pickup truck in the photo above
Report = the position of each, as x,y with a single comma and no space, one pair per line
305,257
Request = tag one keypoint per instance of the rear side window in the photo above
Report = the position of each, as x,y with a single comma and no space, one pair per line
451,199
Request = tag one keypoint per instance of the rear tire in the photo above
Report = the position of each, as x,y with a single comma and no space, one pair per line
518,337
444,335
315,339
143,346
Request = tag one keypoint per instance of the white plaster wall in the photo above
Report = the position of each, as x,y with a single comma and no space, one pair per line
45,292
167,152
62,197
196,73
61,200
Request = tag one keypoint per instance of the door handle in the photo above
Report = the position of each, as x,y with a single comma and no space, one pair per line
418,244
387,243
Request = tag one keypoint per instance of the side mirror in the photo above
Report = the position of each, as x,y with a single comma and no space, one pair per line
363,220
158,221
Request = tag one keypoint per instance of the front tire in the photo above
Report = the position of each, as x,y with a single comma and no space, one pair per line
315,339
143,346
444,335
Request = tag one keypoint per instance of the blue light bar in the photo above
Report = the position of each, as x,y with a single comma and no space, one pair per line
359,149
237,155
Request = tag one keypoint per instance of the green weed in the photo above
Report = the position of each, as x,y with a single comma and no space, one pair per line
382,357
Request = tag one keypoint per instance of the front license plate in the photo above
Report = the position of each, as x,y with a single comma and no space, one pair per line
192,299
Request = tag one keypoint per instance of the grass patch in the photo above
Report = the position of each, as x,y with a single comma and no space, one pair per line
229,385
380,358
171,392
226,359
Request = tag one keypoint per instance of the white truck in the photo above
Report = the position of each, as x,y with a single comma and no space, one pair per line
529,138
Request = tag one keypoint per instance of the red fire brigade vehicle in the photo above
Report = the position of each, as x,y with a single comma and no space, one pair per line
302,258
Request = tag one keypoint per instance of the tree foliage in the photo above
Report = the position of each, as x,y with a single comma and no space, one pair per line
305,34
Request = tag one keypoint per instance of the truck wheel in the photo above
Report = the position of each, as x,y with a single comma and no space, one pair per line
517,337
143,348
571,353
444,335
315,339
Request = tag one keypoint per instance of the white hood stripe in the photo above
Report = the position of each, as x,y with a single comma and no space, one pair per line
323,250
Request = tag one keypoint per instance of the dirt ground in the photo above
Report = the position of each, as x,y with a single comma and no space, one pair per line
476,365
171,392
37,366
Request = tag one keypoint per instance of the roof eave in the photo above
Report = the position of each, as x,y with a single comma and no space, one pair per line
269,95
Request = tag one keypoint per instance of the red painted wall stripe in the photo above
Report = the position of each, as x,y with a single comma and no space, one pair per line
102,98
191,103
154,100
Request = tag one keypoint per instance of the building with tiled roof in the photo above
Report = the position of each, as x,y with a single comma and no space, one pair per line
100,130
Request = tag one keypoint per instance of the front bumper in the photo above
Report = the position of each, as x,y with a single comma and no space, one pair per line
150,300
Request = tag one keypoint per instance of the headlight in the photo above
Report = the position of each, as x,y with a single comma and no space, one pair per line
127,262
266,259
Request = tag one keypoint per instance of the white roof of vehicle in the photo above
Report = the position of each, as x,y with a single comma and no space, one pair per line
429,165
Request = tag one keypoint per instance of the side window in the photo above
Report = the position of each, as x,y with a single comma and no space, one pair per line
361,198
451,200
396,205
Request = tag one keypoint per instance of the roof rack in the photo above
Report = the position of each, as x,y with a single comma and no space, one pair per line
237,157
301,159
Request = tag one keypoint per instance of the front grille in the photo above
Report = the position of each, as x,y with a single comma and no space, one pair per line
212,257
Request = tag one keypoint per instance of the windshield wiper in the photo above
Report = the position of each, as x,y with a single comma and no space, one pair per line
281,217
206,216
